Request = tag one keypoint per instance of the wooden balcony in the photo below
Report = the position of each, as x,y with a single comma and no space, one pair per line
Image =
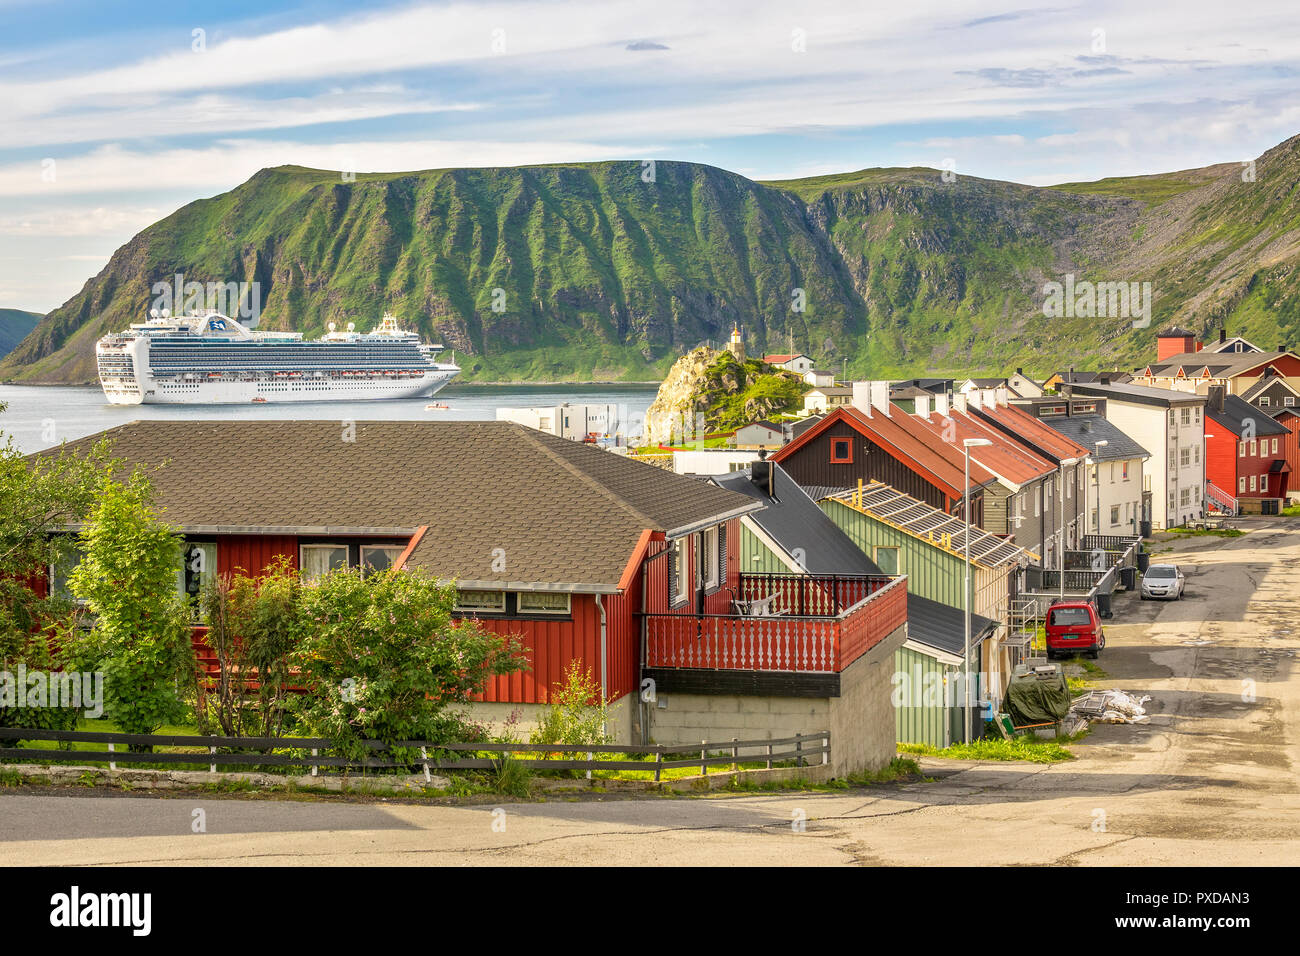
816,625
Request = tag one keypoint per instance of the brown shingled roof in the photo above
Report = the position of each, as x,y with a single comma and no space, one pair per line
566,515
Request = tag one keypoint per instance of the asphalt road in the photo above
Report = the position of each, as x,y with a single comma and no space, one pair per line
1209,780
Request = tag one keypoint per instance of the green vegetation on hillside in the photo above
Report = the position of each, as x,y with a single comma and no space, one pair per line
15,324
731,394
610,271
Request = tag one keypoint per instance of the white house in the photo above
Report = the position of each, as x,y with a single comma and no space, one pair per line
713,461
822,400
1171,426
1114,496
795,362
819,378
576,422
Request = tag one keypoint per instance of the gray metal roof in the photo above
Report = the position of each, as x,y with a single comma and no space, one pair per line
943,626
1142,394
1236,413
938,528
794,520
1089,429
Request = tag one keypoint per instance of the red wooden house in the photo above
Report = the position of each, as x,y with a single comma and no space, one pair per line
582,554
1246,453
881,442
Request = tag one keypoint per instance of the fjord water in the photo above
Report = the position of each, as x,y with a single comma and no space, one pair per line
41,416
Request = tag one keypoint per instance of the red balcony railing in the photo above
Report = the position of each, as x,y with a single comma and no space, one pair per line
825,641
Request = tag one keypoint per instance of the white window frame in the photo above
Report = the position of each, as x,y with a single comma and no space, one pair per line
1241,484
523,597
682,581
321,546
498,607
712,577
382,547
1252,483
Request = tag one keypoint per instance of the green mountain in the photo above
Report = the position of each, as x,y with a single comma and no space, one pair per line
14,326
589,272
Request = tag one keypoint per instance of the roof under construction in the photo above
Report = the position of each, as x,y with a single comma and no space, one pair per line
933,526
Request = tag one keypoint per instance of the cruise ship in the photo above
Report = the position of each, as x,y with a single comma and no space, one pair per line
210,358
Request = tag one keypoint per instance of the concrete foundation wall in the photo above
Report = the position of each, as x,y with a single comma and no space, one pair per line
861,720
620,715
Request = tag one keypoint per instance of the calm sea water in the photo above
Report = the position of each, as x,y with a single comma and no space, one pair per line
38,417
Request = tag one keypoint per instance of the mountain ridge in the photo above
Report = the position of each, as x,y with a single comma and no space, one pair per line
612,270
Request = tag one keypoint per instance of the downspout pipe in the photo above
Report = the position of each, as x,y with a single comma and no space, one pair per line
604,655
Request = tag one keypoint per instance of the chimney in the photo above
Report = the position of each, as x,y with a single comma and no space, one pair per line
959,403
1223,336
880,397
941,404
1002,394
1020,372
989,398
862,397
1103,378
1281,346
923,406
1216,397
974,398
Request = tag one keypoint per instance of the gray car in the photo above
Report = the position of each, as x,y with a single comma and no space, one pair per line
1162,582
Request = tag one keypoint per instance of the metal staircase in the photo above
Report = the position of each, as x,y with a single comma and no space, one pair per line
1219,501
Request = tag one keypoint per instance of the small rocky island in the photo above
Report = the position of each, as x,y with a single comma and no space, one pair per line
710,391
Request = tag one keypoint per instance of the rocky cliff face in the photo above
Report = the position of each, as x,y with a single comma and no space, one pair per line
708,391
673,412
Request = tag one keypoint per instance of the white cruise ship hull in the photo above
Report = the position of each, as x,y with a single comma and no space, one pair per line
211,360
241,393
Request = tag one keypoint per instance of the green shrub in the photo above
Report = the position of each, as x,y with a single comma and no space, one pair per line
383,658
577,716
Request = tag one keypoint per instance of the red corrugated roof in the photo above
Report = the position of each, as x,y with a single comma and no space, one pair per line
907,439
1006,457
1029,427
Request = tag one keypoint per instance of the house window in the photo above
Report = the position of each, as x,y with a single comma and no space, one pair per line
489,601
380,557
60,570
681,569
1241,483
1186,416
1094,519
1114,515
1275,446
1037,507
317,560
1196,454
1252,482
1198,415
198,567
1252,448
710,537
543,602
1185,457
1172,419
1288,400
1184,497
1112,472
841,451
1264,401
1125,471
887,560
1263,448
1241,449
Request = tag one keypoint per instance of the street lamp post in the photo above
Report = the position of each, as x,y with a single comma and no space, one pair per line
967,445
1070,462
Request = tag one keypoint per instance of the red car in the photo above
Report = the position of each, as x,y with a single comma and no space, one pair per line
1073,627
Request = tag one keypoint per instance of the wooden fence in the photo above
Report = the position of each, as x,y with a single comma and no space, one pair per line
226,752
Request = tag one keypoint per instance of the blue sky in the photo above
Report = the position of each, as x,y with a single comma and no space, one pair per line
116,114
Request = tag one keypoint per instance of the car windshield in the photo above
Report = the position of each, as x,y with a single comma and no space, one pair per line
1161,572
1070,617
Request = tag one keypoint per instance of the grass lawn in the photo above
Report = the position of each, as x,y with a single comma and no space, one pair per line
1025,747
1211,532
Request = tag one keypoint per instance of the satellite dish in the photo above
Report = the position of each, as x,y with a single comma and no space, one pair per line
331,326
352,326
